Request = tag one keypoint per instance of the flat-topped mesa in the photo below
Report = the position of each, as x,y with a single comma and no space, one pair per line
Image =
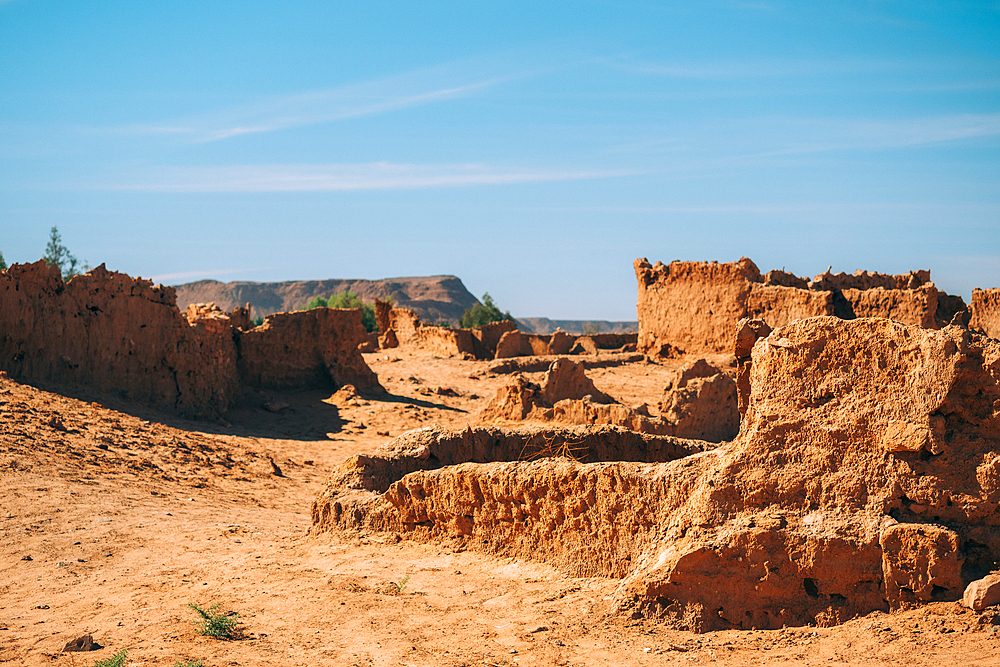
113,333
691,307
865,476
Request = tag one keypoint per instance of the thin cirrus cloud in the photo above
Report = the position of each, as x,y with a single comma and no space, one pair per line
341,177
369,98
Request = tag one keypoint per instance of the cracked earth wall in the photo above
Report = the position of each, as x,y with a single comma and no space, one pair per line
691,307
865,476
109,332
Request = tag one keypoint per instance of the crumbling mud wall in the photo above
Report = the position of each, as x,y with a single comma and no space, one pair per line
110,332
517,344
984,311
691,307
306,348
113,333
699,403
401,326
865,476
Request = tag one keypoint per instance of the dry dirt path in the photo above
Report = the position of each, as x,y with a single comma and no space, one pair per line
113,520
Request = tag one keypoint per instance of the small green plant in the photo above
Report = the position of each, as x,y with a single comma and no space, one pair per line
3,263
189,663
348,300
483,313
220,626
401,585
117,660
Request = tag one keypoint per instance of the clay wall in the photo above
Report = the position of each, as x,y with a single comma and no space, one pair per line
109,332
865,477
692,307
488,337
985,311
306,348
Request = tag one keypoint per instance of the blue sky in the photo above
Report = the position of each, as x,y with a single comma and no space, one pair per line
534,149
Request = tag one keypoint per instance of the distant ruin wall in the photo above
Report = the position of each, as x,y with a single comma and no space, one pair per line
985,311
691,307
306,347
113,333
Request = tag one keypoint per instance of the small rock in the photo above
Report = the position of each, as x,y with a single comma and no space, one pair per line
27,557
540,628
983,593
82,643
275,406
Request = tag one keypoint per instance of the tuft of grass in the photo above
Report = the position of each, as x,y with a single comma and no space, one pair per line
189,663
220,626
117,660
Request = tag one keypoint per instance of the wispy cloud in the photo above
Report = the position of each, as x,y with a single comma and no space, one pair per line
281,112
341,177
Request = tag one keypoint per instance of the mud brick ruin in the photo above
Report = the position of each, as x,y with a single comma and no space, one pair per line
835,452
865,474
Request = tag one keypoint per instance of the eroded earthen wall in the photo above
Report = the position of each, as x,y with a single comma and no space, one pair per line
306,348
113,333
985,311
692,307
865,477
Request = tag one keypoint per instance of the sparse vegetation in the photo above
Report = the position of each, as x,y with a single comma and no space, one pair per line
396,587
3,263
59,255
117,660
348,300
220,626
483,313
189,663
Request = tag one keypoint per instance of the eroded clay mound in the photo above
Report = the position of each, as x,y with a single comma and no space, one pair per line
865,476
514,491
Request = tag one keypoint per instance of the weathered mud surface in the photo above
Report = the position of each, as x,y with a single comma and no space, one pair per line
864,477
691,307
109,332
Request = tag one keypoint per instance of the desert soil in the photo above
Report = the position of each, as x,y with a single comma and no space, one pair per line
115,518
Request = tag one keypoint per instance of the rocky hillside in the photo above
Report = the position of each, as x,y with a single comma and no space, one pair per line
433,298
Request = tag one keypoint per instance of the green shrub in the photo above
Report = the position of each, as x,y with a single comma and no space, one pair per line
189,663
3,264
483,313
117,660
220,626
347,300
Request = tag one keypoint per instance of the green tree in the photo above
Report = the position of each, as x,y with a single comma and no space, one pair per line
483,313
347,300
3,264
59,255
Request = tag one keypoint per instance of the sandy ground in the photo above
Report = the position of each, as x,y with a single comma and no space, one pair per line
115,518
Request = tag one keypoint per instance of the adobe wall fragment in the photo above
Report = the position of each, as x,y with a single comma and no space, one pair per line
110,332
691,307
985,311
113,333
307,348
866,467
